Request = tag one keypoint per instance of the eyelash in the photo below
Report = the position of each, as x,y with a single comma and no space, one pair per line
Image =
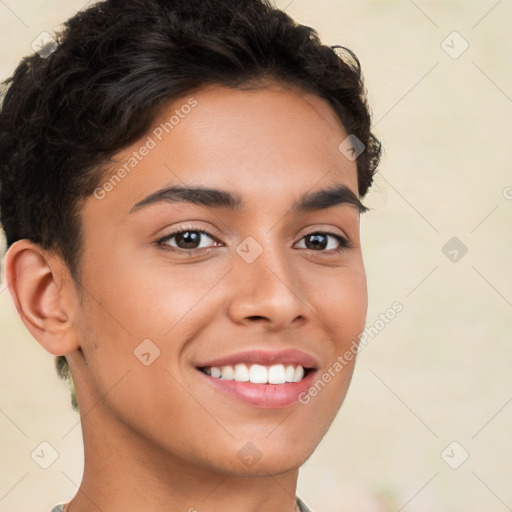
344,243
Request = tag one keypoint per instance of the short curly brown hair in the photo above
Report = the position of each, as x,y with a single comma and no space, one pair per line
69,108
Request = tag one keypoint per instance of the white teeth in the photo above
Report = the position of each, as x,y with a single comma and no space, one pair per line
227,373
299,373
241,373
276,374
215,372
258,374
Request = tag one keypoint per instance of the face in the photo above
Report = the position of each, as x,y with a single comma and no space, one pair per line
263,283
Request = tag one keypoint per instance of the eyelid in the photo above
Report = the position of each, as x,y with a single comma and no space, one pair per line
183,229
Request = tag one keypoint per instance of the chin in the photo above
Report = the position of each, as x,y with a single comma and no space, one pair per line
261,459
278,464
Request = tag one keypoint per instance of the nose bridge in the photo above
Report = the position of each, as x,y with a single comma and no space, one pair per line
265,283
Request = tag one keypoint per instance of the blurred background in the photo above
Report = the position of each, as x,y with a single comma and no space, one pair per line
427,421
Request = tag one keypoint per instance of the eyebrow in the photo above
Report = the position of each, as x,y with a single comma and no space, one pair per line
214,198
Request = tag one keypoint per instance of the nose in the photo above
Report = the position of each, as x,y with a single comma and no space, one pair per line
267,291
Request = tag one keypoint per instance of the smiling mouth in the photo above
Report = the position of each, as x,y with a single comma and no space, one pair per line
258,374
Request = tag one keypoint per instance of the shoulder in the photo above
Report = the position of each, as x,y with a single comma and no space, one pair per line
303,507
58,508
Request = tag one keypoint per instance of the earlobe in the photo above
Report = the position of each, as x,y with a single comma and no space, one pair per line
41,293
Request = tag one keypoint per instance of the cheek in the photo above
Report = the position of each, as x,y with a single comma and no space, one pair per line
341,303
174,301
148,297
140,313
335,302
340,300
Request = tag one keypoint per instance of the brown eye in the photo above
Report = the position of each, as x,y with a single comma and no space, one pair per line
319,241
187,239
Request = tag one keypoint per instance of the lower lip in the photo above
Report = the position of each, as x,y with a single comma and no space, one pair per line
266,396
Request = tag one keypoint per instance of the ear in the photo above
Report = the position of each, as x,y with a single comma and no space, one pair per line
44,295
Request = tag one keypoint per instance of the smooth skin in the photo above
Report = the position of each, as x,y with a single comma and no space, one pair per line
160,437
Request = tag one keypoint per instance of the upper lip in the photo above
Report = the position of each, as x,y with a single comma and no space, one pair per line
264,358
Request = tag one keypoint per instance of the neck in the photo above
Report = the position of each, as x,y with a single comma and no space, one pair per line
125,472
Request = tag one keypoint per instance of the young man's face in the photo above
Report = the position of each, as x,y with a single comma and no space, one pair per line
266,285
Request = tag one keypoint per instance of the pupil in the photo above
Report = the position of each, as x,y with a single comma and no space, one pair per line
189,239
316,243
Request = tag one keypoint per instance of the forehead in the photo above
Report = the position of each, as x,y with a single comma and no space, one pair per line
263,143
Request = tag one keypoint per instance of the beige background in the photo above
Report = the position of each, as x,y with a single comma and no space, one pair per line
440,371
